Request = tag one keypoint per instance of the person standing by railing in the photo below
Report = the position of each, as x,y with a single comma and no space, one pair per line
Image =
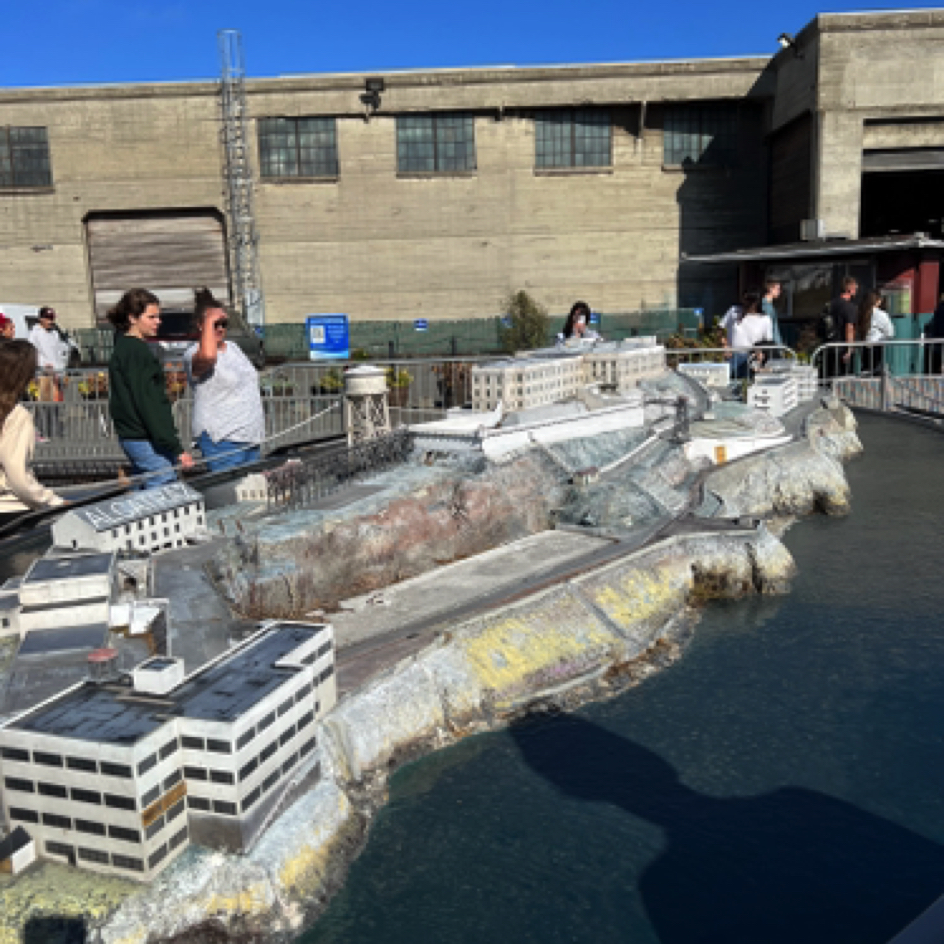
19,490
875,327
137,395
744,328
771,294
227,407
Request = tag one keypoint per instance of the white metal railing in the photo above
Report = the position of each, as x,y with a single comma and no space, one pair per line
908,357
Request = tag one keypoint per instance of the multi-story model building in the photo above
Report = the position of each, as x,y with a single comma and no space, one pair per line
120,775
775,394
535,378
707,373
143,522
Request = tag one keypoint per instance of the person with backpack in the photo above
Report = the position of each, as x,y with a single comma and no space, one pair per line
841,322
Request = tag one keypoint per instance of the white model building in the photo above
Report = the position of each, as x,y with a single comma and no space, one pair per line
149,521
536,378
775,394
66,591
708,374
806,377
120,775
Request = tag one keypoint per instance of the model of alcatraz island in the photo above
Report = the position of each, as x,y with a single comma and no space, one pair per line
258,669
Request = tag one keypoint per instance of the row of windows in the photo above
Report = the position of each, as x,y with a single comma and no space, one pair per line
127,863
445,142
442,142
45,759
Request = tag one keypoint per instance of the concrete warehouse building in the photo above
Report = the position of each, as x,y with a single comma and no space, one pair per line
457,186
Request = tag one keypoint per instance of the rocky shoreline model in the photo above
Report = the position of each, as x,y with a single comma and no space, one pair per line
585,635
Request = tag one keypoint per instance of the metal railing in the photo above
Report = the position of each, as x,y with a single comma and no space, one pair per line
718,355
300,483
901,358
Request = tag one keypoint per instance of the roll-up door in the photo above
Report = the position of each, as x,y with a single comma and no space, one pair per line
169,253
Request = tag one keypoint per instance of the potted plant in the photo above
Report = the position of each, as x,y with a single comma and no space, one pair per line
398,385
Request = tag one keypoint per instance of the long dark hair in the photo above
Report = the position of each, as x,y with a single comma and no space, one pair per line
133,303
750,304
577,309
866,307
17,369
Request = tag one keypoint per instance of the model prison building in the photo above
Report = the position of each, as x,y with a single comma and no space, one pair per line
119,776
144,522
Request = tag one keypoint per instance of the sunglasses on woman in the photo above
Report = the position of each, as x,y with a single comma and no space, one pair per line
222,323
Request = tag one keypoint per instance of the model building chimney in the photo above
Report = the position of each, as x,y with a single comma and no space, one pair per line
103,666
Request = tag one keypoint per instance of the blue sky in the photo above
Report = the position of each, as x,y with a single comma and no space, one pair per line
88,41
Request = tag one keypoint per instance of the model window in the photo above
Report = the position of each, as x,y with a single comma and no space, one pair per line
25,816
175,811
267,752
247,769
437,143
298,147
219,747
308,746
86,796
156,857
115,770
222,776
700,134
289,764
245,738
178,837
287,736
197,803
195,773
53,790
169,748
286,706
155,827
192,743
126,862
271,780
24,158
325,649
306,719
125,835
48,760
147,764
60,822
303,692
221,806
170,780
151,796
93,855
14,783
119,802
326,674
266,721
60,849
88,826
573,137
250,799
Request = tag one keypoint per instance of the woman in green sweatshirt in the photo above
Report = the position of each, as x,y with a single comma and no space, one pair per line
137,396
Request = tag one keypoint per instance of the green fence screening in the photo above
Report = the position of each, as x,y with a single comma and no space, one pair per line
447,338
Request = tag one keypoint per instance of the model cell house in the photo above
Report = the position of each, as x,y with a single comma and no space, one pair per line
775,394
144,522
120,774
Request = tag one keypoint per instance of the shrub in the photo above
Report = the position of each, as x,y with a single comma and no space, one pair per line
528,326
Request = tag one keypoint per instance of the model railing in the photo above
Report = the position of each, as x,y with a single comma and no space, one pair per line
302,482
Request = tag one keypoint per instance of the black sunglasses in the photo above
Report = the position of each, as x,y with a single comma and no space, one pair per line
222,323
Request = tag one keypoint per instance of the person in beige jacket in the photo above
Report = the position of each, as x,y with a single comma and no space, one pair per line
19,490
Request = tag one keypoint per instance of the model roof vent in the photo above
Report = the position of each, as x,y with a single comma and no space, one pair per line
103,666
158,675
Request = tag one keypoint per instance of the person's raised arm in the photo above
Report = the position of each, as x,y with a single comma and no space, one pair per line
204,358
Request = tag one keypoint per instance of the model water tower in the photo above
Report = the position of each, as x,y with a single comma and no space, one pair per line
366,412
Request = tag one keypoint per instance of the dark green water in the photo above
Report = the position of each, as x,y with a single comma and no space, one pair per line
783,782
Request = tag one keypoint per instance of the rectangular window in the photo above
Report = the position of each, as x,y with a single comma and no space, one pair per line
48,760
226,809
700,134
192,743
287,736
89,826
195,773
151,796
436,143
147,764
290,763
80,763
573,137
127,863
14,783
93,855
222,776
155,857
53,790
271,780
245,738
266,721
250,799
14,753
175,811
173,778
119,802
169,748
178,838
24,158
60,822
219,747
197,803
298,147
247,769
24,816
86,796
303,692
286,706
116,770
267,752
125,835
155,827
60,849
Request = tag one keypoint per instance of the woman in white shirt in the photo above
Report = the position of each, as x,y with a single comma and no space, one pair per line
744,328
876,328
19,490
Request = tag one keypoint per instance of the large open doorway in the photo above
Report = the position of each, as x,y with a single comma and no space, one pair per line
903,202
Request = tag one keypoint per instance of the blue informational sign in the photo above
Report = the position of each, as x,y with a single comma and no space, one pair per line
328,337
594,317
421,324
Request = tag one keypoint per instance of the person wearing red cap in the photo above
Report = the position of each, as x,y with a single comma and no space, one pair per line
7,328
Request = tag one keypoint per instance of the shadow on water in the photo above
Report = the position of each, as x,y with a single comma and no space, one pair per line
792,865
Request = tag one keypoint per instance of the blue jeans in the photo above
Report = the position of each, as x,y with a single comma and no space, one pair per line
211,451
146,458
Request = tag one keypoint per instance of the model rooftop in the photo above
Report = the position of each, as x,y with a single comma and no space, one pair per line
221,691
69,568
117,512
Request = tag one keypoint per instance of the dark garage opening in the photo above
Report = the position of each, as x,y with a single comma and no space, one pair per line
899,202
